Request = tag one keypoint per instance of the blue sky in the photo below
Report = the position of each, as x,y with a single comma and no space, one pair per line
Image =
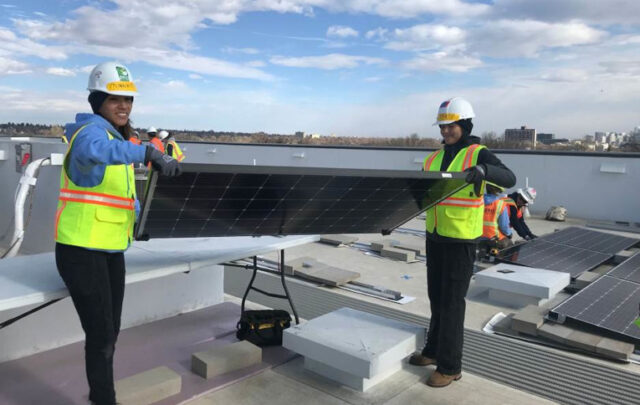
365,67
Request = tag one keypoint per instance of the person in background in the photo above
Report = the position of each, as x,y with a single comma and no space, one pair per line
152,133
517,203
135,138
171,146
95,216
496,232
453,228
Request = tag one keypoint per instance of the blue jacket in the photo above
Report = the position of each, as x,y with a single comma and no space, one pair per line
503,218
93,150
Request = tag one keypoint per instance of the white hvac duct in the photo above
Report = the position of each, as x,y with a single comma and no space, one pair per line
25,187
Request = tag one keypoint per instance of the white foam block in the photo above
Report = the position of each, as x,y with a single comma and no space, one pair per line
355,342
522,280
350,380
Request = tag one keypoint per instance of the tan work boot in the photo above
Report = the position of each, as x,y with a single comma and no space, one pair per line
417,359
438,380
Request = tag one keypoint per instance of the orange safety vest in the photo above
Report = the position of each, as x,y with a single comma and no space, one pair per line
157,143
490,228
135,141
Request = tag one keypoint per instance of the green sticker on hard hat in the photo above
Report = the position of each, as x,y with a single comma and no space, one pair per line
122,73
637,322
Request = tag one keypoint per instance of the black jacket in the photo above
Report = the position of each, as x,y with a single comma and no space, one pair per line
518,223
495,172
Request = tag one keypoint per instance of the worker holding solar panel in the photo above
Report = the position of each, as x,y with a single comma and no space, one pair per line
454,227
517,203
97,207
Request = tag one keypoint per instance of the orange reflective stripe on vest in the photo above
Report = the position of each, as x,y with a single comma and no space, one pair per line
97,198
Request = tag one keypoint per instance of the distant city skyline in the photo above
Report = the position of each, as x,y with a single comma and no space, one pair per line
360,68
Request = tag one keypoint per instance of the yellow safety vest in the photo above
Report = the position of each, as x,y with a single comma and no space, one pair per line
460,215
99,217
176,152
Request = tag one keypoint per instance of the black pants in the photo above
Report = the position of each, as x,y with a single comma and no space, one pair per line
449,270
95,281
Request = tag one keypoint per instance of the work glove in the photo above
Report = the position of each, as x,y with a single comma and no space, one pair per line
532,236
165,164
475,176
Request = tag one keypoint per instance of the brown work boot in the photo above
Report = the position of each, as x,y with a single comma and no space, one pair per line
438,380
417,359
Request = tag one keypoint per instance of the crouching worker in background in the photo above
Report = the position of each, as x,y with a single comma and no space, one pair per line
496,232
453,229
96,211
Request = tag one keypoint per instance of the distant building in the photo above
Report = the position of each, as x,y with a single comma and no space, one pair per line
313,136
545,138
600,137
523,134
299,134
589,139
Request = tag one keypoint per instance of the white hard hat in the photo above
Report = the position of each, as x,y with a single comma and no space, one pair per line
112,78
152,130
163,134
453,110
528,194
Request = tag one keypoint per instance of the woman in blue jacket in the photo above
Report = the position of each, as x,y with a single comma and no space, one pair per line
97,207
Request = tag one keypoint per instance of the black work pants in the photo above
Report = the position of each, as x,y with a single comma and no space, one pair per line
95,281
449,270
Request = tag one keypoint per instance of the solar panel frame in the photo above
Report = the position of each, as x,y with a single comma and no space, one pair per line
551,256
590,240
628,270
286,200
608,303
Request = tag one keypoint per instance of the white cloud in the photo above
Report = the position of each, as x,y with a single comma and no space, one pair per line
246,51
437,61
425,37
372,79
175,85
378,33
565,75
194,76
598,12
60,71
527,38
406,8
10,43
341,31
327,62
10,66
256,64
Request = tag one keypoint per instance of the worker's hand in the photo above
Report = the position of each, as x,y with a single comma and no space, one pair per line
475,176
532,236
165,164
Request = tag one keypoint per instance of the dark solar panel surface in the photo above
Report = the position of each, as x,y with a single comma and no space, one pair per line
590,240
628,270
607,303
224,200
551,256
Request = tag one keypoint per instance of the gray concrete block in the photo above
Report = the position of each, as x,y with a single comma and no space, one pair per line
614,349
299,263
398,254
148,387
417,249
378,246
338,240
584,340
528,320
223,359
585,279
622,255
555,332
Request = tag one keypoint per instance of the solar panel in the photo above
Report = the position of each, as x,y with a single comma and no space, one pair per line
608,303
628,270
551,256
230,200
590,240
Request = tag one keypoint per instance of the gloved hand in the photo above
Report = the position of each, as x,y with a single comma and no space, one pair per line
532,236
475,176
165,164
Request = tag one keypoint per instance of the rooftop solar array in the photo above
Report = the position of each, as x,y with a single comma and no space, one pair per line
628,270
551,256
230,200
590,240
608,303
